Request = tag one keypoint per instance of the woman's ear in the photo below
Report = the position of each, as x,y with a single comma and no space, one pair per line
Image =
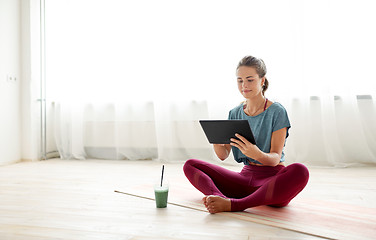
263,81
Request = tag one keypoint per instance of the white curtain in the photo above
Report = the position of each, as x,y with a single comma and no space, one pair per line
163,130
130,79
332,130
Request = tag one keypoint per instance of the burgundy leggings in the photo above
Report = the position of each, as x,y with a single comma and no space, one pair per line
253,186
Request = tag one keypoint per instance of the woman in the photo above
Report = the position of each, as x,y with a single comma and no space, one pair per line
264,179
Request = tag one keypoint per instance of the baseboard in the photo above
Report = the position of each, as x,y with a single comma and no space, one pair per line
10,162
28,160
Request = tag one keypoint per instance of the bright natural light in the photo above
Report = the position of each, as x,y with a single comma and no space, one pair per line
118,50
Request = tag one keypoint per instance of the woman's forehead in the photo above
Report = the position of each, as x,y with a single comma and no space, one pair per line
245,70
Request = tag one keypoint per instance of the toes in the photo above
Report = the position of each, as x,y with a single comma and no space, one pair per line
209,199
204,201
212,210
208,203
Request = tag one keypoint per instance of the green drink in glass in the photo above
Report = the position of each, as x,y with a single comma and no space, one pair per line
161,195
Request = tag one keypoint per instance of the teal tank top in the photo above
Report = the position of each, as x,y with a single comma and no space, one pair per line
263,125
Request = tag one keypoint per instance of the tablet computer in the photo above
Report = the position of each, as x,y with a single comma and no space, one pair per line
221,131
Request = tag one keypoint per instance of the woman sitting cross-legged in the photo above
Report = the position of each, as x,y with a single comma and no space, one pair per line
264,179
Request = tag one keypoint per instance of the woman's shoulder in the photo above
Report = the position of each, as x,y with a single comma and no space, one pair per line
276,106
278,111
238,107
236,110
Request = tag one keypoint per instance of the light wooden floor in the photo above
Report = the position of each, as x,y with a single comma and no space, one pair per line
72,199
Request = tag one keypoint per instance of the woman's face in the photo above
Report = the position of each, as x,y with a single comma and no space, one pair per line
249,82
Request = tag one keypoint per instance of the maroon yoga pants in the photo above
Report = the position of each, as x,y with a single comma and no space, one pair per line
253,186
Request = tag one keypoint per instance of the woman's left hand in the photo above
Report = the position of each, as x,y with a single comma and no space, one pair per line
246,147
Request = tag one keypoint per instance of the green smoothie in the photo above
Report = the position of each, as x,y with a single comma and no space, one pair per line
161,195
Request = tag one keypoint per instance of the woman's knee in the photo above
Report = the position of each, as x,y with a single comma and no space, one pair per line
189,164
299,171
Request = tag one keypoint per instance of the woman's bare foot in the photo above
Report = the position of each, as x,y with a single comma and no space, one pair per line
216,204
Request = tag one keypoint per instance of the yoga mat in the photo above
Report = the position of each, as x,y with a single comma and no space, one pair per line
326,219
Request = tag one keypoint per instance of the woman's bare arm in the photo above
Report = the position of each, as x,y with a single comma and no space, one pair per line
222,150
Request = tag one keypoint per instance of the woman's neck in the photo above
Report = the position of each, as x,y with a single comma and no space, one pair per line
255,105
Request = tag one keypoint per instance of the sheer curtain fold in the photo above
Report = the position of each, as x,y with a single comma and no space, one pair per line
332,130
179,134
167,131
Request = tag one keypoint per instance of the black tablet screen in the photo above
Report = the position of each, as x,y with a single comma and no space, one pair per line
221,131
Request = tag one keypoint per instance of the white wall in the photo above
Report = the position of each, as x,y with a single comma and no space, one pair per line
19,74
30,78
10,50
